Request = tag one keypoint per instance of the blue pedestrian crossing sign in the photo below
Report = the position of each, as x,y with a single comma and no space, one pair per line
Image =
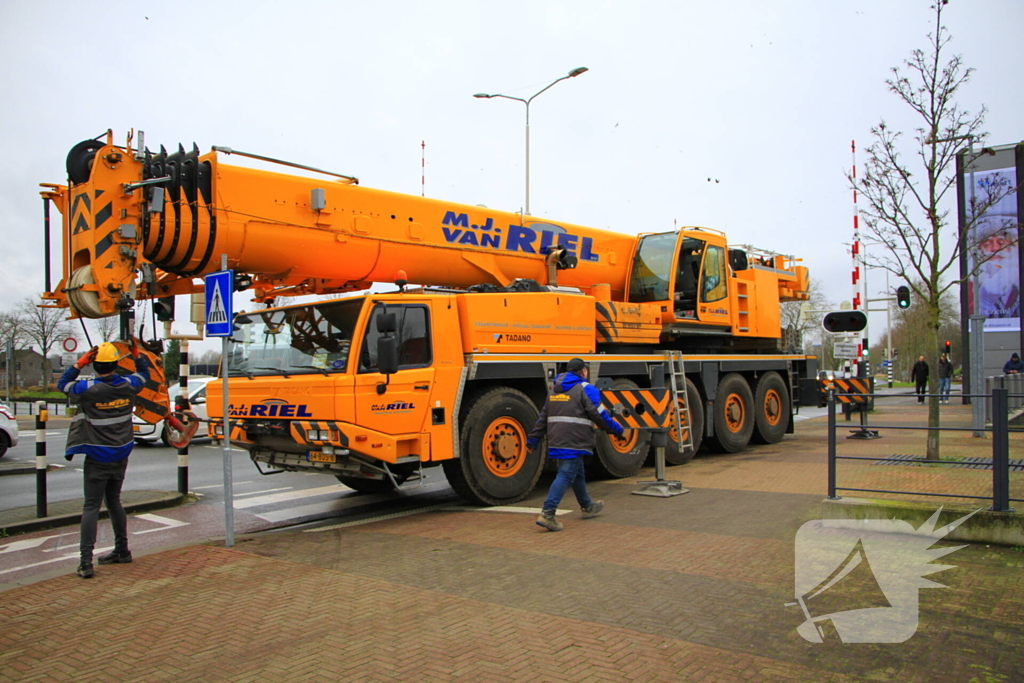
219,287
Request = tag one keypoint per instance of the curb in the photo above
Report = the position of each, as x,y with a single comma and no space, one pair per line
23,468
166,500
983,526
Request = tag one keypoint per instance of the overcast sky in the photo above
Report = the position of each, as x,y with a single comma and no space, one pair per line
762,97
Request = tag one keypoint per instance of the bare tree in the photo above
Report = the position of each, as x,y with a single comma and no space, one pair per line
44,326
107,328
801,320
905,214
12,328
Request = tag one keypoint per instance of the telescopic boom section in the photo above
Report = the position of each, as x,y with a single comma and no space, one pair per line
167,217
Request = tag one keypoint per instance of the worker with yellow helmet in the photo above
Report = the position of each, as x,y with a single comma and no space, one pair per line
102,432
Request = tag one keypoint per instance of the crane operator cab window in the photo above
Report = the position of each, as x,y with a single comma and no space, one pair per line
652,268
687,276
715,277
414,350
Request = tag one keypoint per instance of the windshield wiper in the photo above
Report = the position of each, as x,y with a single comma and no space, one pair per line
322,371
281,370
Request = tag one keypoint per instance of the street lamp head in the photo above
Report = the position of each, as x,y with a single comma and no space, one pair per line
483,95
577,71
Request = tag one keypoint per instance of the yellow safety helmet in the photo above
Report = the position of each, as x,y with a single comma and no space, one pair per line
107,353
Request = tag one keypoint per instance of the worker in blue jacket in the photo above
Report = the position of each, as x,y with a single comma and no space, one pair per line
569,416
102,432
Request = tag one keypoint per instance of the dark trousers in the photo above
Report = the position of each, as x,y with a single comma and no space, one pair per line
922,388
103,481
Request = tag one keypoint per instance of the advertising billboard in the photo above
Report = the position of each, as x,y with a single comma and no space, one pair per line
994,236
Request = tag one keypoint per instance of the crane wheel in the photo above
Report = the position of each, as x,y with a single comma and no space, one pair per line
673,454
733,414
495,467
771,409
619,457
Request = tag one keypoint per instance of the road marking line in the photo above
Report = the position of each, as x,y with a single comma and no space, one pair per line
253,493
97,551
24,545
219,486
167,523
290,495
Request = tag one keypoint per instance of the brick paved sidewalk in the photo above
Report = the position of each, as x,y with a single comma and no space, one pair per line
692,588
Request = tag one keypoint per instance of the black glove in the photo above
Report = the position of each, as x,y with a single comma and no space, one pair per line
69,456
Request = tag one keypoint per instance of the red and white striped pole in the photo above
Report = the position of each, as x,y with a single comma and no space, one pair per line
856,302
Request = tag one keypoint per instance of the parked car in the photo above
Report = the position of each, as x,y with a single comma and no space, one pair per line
146,433
8,429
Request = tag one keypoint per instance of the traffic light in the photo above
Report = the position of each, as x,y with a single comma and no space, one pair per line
949,347
903,296
844,321
164,309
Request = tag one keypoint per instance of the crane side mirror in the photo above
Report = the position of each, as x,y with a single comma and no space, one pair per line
387,323
387,359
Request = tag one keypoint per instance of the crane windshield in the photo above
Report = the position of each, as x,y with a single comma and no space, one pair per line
312,338
652,268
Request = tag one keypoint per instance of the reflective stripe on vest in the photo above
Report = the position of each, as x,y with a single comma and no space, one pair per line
571,420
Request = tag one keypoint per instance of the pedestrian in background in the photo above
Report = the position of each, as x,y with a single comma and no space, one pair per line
569,416
102,432
919,375
1013,366
945,378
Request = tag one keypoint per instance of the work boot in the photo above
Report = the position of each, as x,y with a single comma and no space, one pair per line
85,571
116,557
548,521
594,509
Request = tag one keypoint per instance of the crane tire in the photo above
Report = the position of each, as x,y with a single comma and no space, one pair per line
495,467
673,454
733,414
619,457
771,409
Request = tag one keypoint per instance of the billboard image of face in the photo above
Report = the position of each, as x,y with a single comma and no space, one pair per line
994,237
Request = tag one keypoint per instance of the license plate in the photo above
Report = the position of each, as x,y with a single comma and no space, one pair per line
317,456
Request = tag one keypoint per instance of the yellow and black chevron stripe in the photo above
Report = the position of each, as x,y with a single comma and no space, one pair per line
300,428
850,390
639,408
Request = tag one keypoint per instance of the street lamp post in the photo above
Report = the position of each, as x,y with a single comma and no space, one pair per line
572,74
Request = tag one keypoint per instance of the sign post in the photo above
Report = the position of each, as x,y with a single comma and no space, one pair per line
219,290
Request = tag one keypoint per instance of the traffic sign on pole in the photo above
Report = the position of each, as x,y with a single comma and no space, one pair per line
219,314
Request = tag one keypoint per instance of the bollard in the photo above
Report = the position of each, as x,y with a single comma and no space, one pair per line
183,396
1000,451
832,444
41,416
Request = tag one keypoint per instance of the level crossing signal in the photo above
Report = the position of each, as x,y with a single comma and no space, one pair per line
844,321
903,296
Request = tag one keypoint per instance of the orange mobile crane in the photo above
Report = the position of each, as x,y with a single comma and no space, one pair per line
373,387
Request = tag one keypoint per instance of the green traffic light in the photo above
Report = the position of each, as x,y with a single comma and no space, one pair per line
903,296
